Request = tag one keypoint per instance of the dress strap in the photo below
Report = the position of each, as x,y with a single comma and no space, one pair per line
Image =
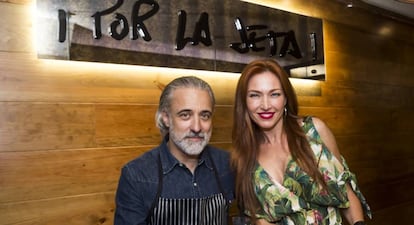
307,119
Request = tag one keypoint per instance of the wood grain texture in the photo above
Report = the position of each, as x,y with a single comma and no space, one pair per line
16,26
25,78
37,175
50,126
66,128
92,209
402,215
38,126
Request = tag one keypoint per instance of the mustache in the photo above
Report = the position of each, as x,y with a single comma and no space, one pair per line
195,135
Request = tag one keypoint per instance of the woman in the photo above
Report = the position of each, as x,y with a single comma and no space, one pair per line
289,169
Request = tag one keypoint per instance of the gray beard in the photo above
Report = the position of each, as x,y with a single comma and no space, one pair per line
188,147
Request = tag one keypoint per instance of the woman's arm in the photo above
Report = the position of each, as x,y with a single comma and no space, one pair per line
354,213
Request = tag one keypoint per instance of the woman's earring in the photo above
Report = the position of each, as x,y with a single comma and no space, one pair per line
285,111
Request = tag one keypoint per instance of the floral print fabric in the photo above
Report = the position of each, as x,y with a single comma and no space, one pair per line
299,200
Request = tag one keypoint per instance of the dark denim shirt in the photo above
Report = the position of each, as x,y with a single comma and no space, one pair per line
138,182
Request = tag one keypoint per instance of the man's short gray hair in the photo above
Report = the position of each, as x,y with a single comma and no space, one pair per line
165,98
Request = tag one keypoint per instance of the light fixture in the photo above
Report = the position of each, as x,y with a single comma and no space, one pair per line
349,4
406,1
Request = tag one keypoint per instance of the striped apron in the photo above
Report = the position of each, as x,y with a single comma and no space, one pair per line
210,210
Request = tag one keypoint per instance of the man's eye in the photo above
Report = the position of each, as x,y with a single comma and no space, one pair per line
205,116
184,115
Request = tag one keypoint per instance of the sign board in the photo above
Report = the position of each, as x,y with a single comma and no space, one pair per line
215,35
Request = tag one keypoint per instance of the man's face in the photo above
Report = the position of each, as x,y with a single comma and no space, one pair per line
189,120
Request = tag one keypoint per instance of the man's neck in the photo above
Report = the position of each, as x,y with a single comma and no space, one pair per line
190,161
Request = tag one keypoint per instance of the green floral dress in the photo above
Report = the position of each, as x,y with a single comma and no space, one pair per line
299,200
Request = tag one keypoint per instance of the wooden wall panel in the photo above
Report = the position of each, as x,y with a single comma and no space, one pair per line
25,78
386,194
42,126
20,2
360,94
126,125
37,175
35,126
361,147
91,209
355,58
351,121
404,212
361,44
222,123
401,121
398,146
66,128
16,26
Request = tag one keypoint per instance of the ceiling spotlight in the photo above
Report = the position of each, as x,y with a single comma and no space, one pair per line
406,1
349,4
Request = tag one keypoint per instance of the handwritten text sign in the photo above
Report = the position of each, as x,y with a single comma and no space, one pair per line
219,35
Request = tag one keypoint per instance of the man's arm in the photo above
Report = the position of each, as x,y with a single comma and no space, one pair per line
130,208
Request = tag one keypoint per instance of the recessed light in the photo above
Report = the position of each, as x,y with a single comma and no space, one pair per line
406,1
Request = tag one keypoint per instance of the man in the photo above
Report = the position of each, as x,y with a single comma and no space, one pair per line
183,181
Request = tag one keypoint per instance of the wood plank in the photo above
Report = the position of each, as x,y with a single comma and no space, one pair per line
20,2
40,126
126,125
17,23
222,124
351,121
398,146
401,122
59,173
359,69
361,43
92,209
98,209
397,214
36,175
395,169
35,126
389,193
367,172
351,94
70,81
362,155
54,115
361,147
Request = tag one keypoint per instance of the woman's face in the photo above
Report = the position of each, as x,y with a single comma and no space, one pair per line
265,100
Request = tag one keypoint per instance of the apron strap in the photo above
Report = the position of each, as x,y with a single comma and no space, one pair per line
160,177
217,177
157,196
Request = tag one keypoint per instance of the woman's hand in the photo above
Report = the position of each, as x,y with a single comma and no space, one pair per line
264,222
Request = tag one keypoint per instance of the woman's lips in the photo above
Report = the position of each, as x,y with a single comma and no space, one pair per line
266,115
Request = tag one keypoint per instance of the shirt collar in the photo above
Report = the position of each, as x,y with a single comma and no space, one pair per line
169,162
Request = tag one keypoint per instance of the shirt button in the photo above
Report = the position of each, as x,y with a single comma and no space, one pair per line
181,165
195,184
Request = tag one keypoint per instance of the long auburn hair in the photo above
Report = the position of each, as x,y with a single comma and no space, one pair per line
247,135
